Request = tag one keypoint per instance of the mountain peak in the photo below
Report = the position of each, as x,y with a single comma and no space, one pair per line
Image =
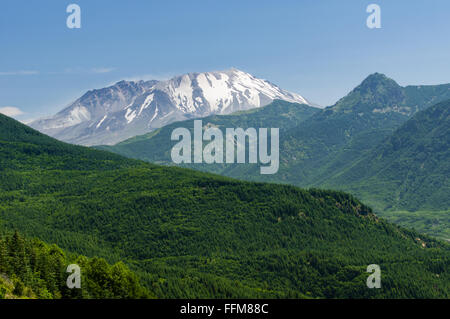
380,88
129,108
377,79
377,75
375,91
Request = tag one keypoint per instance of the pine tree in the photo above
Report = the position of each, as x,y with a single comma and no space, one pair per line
17,254
3,257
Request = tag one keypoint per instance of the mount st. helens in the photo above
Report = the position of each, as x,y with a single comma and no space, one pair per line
126,109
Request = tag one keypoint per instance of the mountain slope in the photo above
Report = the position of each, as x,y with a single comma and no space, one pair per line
91,106
190,234
328,142
336,148
156,146
126,109
24,148
411,169
33,269
332,139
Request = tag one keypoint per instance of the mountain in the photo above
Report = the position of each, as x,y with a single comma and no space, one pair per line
127,109
154,146
312,150
195,235
411,168
406,177
324,148
93,105
332,139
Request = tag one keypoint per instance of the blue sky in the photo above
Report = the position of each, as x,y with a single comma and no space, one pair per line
320,49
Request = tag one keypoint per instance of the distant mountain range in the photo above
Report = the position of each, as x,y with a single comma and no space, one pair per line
126,109
385,143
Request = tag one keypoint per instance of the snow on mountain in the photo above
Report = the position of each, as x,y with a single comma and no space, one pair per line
126,109
93,105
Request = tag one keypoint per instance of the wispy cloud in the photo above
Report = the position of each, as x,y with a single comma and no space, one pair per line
16,113
28,121
11,111
102,70
21,72
96,70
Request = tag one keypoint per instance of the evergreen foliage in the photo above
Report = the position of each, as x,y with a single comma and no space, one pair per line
386,144
30,268
195,235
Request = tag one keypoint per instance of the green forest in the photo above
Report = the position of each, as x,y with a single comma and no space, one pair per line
386,144
189,234
31,269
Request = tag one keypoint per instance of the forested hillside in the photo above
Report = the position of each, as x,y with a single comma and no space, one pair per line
156,146
410,169
318,144
407,176
192,234
33,269
366,144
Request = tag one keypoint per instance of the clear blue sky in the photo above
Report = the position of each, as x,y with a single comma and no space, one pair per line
320,49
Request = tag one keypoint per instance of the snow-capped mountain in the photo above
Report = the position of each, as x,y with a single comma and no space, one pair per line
128,108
